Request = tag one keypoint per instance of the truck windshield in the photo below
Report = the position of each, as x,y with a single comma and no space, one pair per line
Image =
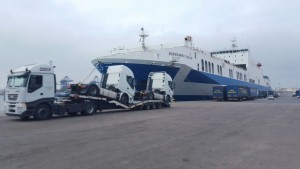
17,81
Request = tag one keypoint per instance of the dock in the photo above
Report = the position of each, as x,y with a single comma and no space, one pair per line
256,134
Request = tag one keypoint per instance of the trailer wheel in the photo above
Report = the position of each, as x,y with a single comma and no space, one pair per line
93,90
158,105
153,106
124,99
89,108
42,112
147,106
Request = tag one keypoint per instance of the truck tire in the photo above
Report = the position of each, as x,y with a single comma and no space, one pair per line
93,90
168,99
89,108
124,99
42,112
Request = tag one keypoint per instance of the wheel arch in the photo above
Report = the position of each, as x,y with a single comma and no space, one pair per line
31,106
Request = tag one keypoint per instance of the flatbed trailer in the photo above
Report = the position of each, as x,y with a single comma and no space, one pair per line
31,93
106,103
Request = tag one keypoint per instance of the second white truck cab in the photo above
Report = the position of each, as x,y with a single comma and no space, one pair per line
162,85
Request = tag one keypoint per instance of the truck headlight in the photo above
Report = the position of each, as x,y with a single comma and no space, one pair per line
21,107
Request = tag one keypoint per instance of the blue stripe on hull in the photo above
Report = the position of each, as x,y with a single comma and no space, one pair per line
228,81
198,77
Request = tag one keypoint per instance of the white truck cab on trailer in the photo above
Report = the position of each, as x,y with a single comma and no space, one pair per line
121,79
161,84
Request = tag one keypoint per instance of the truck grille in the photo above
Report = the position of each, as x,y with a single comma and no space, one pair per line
12,97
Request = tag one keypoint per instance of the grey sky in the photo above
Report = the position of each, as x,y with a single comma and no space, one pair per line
72,32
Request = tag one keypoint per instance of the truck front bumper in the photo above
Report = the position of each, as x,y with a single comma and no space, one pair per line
15,109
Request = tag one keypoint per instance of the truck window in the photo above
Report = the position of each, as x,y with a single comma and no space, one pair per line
130,81
35,82
17,81
171,84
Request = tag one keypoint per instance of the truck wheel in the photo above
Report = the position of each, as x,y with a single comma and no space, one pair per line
89,108
124,99
168,99
42,112
93,90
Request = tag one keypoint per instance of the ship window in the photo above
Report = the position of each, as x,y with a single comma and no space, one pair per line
195,55
205,66
202,64
220,70
245,78
198,66
209,67
237,75
231,73
212,68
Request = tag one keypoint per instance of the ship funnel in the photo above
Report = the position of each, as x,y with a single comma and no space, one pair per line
188,41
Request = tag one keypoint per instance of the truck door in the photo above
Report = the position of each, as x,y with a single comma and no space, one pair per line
40,87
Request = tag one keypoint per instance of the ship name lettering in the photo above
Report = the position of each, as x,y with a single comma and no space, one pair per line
180,55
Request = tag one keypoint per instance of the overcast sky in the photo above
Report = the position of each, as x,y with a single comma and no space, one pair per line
72,32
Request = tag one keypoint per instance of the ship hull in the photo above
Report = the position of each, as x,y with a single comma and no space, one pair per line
190,84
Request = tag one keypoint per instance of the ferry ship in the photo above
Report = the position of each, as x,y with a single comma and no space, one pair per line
193,70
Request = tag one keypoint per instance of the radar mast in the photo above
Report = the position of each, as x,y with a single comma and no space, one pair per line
234,46
143,36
